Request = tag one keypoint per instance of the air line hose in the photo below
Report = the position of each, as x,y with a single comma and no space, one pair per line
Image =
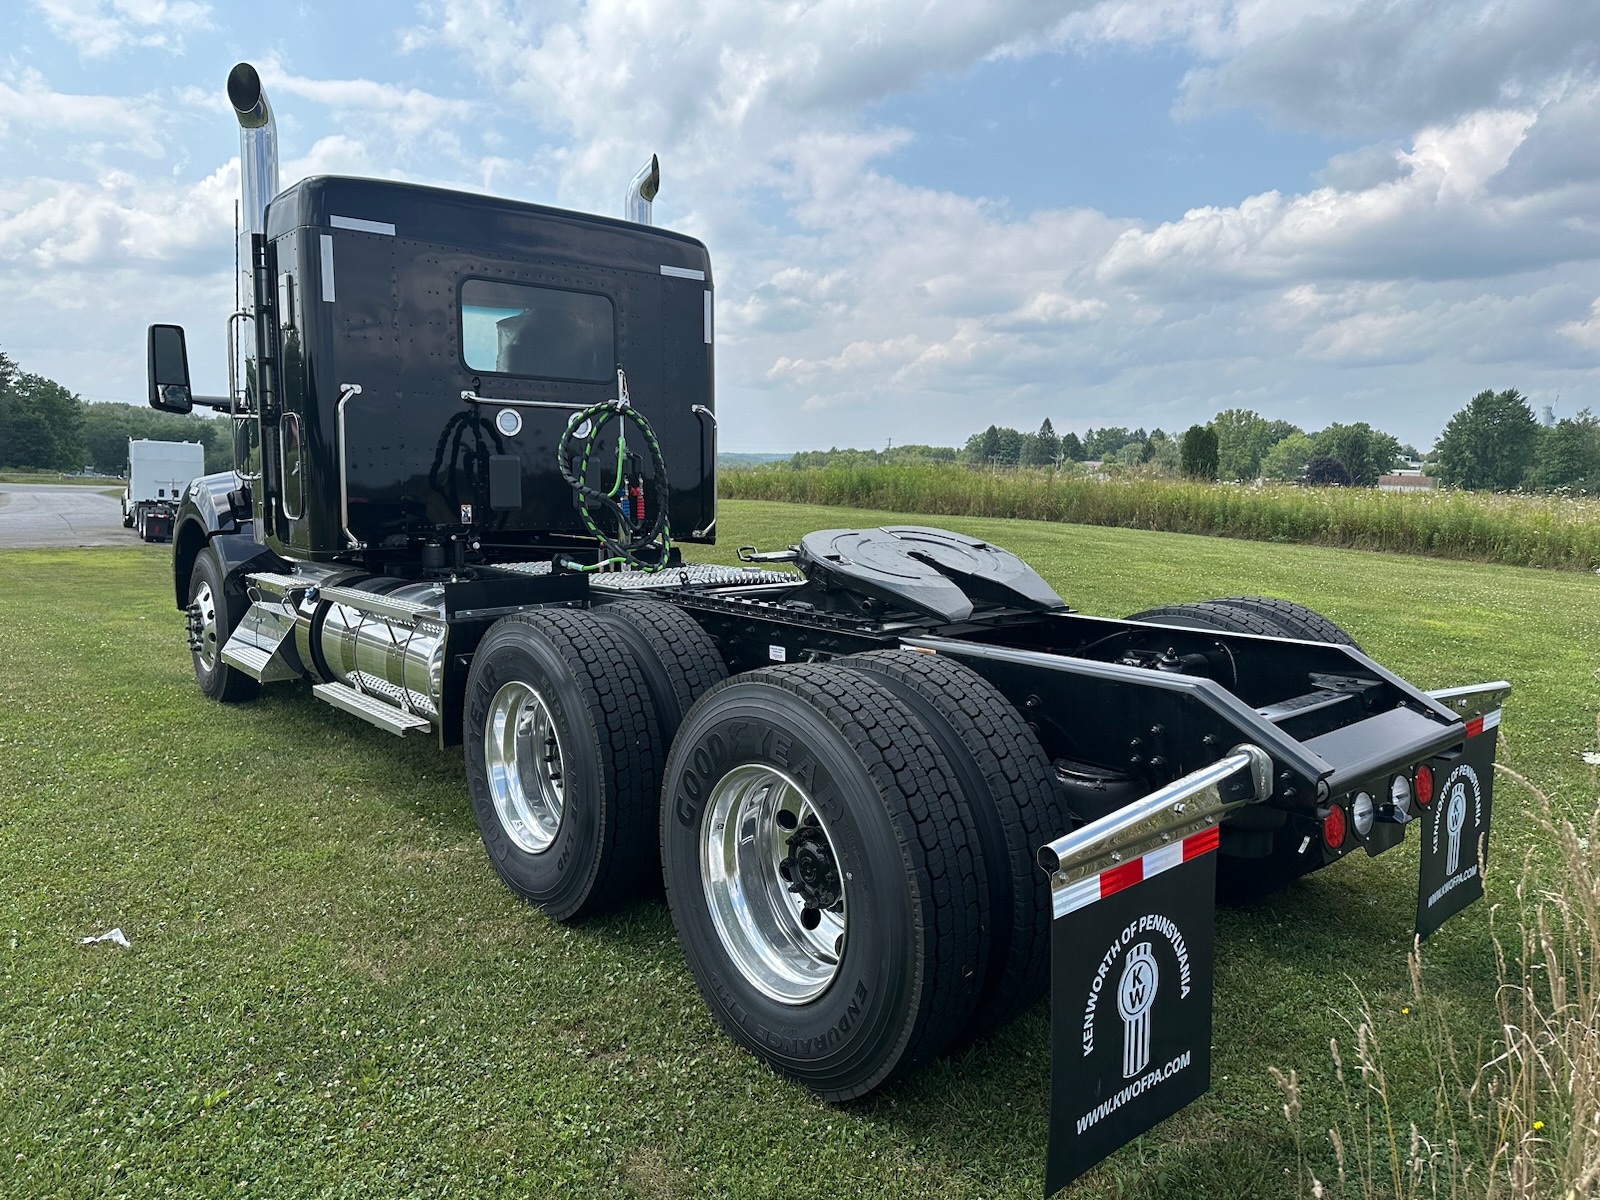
619,516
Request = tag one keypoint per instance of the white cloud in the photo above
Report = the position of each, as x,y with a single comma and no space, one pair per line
99,28
29,108
1441,218
406,113
1369,66
1457,246
730,87
1376,64
118,219
1587,331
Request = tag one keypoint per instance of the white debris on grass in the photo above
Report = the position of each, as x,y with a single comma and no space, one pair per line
116,936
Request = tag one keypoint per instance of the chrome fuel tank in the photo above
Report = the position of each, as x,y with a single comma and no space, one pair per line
392,647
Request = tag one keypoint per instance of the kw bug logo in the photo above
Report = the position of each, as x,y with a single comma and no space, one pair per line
1130,1000
1449,877
1462,795
1455,817
1136,996
1137,986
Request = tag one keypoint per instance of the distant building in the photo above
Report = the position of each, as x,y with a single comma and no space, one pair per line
1405,481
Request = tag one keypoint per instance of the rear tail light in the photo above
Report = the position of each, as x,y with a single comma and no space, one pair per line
1424,786
1333,827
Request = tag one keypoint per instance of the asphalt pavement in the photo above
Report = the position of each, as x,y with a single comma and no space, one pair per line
61,514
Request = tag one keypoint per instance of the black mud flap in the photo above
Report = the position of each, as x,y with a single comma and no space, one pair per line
1455,826
1130,1000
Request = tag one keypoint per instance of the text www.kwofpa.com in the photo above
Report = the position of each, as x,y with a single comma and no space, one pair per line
1135,1088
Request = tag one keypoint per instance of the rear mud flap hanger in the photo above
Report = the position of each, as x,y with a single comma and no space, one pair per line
1133,899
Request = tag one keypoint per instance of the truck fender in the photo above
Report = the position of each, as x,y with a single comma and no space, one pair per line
234,551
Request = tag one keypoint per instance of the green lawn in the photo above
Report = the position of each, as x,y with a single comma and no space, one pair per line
50,477
330,994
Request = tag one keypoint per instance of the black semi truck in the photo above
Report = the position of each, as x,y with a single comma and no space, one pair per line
896,787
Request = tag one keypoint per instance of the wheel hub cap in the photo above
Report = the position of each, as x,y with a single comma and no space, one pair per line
522,753
202,625
773,884
810,870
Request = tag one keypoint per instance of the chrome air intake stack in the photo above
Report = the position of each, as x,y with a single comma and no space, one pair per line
642,190
258,146
258,184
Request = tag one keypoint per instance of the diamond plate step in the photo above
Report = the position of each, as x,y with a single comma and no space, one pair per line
252,660
376,712
380,606
277,583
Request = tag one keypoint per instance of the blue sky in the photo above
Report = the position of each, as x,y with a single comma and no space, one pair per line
924,216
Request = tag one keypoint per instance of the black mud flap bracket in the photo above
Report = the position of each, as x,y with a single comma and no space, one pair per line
1134,906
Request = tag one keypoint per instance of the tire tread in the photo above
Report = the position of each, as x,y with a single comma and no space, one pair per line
1006,777
618,707
935,833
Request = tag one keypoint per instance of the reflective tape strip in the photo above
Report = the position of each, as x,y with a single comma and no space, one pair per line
327,267
1477,725
362,226
683,273
1112,880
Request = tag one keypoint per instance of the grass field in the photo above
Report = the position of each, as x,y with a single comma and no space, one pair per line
51,477
329,993
1513,529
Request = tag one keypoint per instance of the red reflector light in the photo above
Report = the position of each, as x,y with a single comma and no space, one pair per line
1333,826
1423,789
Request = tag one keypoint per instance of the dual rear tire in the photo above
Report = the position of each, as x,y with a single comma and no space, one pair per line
1263,615
846,848
1260,851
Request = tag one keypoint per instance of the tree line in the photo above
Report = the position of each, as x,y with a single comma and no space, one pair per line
1236,444
1493,443
46,427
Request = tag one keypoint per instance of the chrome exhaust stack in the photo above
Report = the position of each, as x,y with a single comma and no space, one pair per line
641,191
258,146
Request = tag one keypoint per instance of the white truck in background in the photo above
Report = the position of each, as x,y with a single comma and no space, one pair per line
158,475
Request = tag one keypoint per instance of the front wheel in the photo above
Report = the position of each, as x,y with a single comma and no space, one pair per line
213,614
824,876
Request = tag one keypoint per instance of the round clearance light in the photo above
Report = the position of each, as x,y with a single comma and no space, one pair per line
508,421
1333,827
1362,813
1400,795
1424,786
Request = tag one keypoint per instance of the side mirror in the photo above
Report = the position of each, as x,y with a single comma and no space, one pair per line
169,370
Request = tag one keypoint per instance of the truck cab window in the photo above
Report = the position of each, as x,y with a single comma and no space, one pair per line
548,333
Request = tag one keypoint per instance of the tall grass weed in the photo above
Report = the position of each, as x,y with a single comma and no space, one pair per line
1517,530
1514,1117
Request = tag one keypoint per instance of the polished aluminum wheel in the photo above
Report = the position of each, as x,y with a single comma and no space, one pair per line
524,761
773,884
203,625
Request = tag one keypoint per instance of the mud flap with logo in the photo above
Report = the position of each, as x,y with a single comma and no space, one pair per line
1130,1001
1455,827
